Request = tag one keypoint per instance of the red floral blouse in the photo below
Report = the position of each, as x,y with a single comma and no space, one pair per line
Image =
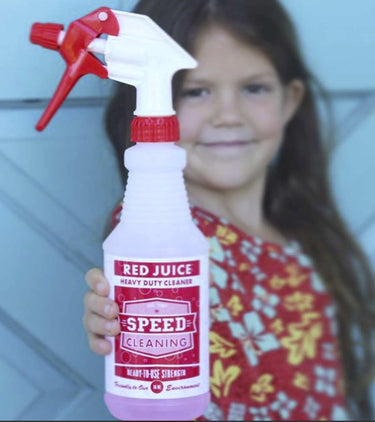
273,335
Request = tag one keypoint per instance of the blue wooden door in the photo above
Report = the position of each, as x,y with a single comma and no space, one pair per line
338,39
58,187
56,191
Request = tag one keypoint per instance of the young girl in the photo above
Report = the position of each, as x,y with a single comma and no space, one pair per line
291,291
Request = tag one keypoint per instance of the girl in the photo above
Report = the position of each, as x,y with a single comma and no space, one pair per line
282,259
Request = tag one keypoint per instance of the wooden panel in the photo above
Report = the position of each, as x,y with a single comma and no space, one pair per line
352,172
57,189
338,40
30,72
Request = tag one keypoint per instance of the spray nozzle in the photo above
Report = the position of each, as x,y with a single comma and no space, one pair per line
73,46
137,52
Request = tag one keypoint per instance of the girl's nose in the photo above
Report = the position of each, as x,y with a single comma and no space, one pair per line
227,111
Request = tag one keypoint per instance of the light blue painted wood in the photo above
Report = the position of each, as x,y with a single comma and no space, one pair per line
128,4
58,216
340,55
338,40
352,172
40,385
16,386
22,61
73,146
56,192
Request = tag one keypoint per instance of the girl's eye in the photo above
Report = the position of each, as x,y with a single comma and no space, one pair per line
257,88
194,93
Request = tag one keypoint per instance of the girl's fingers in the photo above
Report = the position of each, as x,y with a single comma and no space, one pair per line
97,282
102,306
101,312
99,345
98,325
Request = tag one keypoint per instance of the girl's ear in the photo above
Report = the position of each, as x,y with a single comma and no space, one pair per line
294,93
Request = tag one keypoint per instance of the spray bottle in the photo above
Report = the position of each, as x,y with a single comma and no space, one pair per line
156,259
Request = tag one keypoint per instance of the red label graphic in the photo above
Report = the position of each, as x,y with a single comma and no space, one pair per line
158,373
168,333
157,269
159,319
151,324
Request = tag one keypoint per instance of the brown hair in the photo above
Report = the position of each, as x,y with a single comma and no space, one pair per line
298,199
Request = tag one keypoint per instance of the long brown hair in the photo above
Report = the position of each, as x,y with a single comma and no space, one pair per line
298,200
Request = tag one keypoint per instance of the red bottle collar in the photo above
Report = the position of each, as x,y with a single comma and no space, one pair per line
155,129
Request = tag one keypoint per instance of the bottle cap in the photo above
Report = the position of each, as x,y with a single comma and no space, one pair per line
155,129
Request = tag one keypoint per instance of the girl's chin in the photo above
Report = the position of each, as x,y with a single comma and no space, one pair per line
220,181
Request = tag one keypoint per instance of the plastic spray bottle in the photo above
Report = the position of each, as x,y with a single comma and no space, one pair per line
156,259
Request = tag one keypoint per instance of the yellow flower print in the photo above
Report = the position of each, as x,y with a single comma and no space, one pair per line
301,381
303,337
222,347
234,305
244,266
298,302
271,249
222,380
277,282
225,235
277,326
294,279
262,387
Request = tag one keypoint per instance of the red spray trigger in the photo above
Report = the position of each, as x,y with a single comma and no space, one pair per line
74,50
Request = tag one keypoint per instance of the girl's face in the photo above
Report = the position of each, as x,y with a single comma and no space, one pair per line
232,111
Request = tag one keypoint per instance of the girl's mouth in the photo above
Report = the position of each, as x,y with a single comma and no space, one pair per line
226,144
227,149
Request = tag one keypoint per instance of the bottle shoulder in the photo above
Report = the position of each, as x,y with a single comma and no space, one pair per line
155,157
156,240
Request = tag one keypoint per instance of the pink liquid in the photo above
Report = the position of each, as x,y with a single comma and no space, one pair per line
163,410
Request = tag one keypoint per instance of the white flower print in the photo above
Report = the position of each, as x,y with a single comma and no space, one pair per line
236,412
277,256
339,414
293,248
237,284
260,413
304,260
326,377
216,250
283,405
254,341
217,310
220,276
258,274
317,282
213,413
330,313
328,351
250,250
264,301
229,258
311,407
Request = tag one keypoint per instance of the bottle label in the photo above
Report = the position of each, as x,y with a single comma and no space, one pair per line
162,350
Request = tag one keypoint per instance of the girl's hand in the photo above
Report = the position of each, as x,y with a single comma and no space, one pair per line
100,317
